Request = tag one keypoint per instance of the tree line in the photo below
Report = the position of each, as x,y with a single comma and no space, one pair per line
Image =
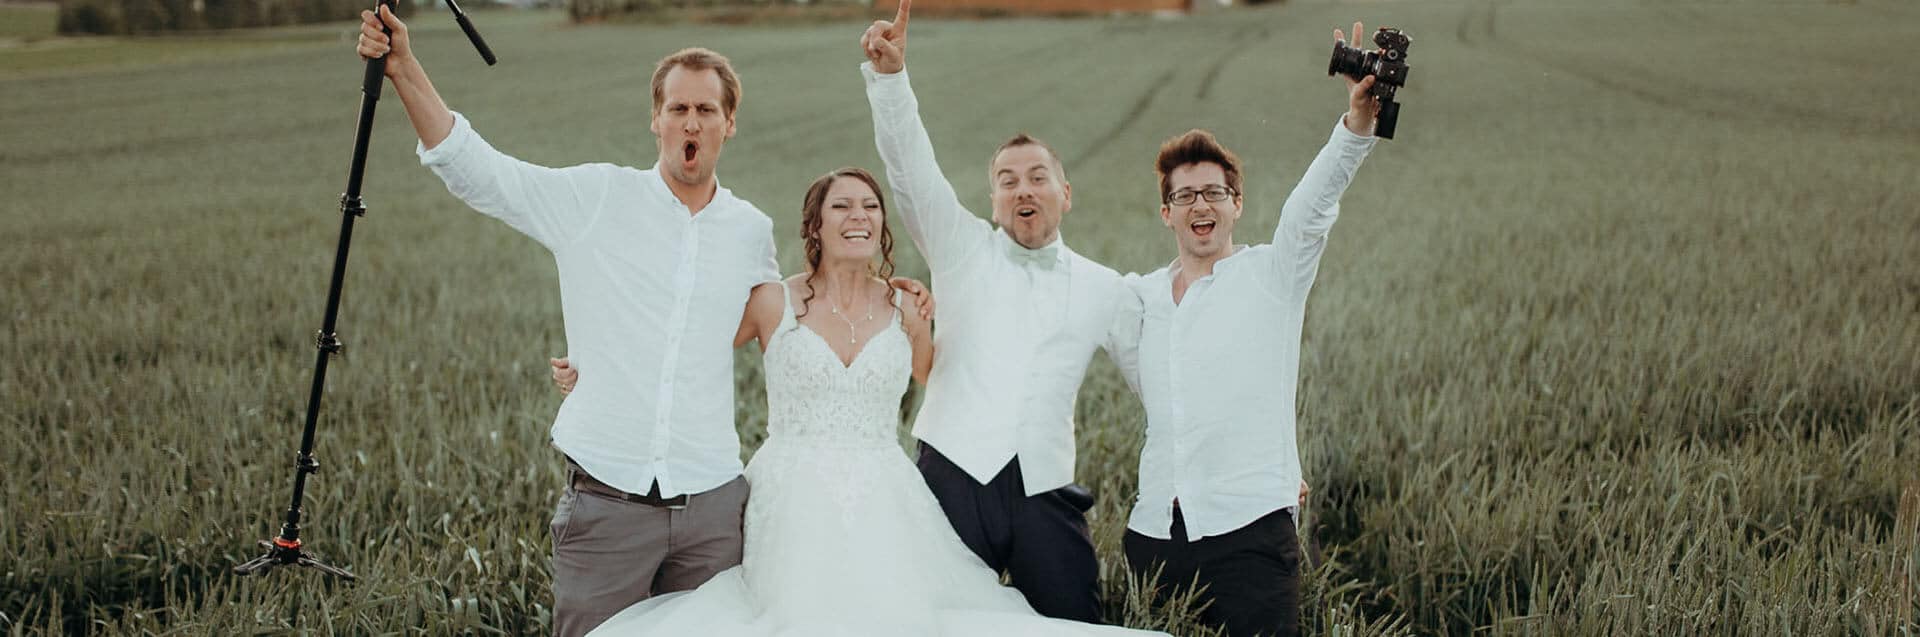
125,17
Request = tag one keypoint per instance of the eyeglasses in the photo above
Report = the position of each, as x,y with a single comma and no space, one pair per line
1214,194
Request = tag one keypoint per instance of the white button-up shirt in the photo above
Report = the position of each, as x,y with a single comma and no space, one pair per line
1014,338
1218,371
651,295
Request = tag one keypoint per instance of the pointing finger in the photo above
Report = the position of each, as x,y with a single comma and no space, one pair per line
900,18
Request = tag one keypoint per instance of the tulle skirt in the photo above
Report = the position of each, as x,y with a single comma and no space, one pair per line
845,540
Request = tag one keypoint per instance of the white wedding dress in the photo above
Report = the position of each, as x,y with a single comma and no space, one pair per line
842,536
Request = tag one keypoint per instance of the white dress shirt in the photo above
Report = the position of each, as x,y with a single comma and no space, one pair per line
1218,371
1017,329
651,295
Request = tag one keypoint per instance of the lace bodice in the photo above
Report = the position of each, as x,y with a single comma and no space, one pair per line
813,399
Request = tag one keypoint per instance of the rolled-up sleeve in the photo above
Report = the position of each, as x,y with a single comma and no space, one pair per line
555,206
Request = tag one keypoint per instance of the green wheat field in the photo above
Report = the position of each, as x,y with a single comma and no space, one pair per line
1620,337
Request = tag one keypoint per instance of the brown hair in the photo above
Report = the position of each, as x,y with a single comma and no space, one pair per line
1195,147
811,219
1023,139
698,59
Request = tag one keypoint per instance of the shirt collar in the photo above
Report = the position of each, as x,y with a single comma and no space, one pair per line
1228,263
1059,244
720,193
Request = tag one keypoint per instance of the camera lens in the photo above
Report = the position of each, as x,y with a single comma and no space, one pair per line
1348,61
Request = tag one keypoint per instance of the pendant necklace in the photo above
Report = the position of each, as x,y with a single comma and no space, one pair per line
851,333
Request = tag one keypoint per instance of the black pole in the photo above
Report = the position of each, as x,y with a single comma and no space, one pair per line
286,548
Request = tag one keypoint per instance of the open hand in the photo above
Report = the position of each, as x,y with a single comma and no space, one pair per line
885,43
1362,107
565,375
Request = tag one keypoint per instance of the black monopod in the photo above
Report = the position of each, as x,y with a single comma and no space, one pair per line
286,549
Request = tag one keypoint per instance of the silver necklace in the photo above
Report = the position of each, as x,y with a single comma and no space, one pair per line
852,334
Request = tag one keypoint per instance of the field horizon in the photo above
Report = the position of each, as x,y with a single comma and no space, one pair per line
1620,336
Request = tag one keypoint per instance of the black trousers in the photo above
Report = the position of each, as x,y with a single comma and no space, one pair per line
1251,575
1040,542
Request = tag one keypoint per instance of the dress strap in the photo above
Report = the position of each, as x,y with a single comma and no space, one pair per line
787,320
899,304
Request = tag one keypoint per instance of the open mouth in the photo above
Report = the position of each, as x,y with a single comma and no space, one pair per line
1202,228
1026,211
692,150
857,235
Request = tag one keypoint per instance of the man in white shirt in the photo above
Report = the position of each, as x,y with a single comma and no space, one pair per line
1219,362
1020,316
655,269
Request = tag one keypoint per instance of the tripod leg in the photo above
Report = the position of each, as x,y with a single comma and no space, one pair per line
314,562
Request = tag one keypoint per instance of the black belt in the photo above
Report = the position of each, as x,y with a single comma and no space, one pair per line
582,481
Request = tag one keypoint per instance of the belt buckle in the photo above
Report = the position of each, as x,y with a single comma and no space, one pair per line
678,503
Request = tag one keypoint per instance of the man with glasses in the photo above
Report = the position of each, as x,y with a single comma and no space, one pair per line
1219,360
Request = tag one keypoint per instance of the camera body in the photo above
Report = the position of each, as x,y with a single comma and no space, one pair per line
1388,66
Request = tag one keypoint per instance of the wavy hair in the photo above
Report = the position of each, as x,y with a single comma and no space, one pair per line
811,218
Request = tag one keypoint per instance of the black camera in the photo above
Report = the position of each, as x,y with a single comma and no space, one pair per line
1388,66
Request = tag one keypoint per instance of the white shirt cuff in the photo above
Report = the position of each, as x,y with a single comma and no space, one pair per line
874,75
449,148
1344,136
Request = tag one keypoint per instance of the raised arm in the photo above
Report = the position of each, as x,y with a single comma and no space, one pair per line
945,232
552,205
429,114
1314,204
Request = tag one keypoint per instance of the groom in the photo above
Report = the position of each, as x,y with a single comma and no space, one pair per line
655,267
1020,317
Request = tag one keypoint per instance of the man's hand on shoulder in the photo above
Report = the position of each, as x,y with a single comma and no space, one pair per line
922,297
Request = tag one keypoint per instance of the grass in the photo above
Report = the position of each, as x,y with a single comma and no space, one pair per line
1619,337
28,21
36,57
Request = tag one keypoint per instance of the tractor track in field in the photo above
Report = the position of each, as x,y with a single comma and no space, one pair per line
801,129
1140,105
1477,29
1232,48
1246,36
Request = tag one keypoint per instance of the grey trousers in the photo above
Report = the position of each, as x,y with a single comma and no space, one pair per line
609,553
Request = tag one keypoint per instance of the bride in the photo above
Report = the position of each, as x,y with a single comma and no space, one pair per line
842,535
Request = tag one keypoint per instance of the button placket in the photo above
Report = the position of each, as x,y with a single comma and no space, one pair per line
1176,409
683,280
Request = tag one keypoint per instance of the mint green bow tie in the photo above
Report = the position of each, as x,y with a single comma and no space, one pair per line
1043,258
